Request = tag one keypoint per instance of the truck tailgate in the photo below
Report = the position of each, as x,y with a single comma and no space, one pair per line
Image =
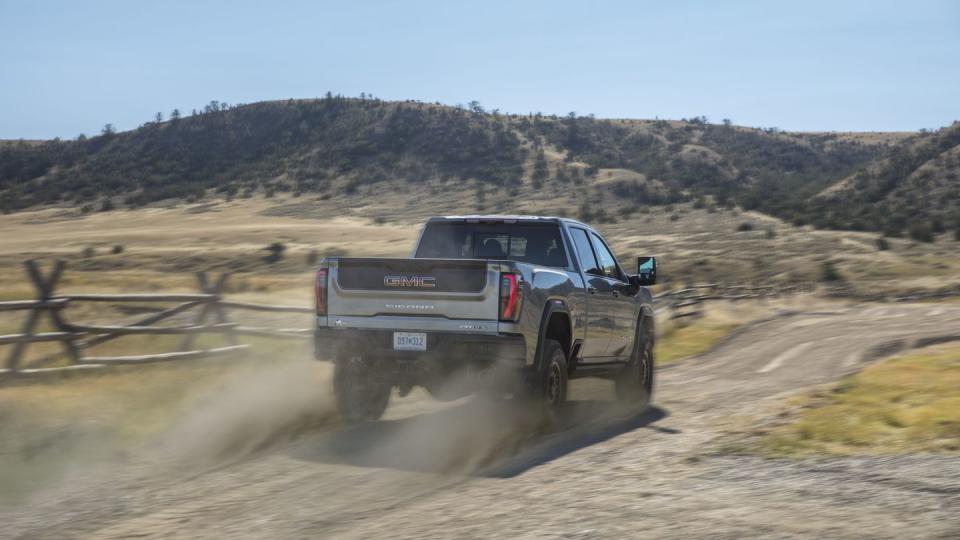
464,289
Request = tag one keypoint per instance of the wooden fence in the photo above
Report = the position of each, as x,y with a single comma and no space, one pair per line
688,301
210,317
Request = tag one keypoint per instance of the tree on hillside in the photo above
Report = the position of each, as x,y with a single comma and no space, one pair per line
921,232
275,252
174,115
108,130
158,118
540,170
937,225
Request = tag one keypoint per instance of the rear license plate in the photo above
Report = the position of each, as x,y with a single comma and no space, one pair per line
409,341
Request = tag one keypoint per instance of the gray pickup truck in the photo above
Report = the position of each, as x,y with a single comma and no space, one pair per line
510,305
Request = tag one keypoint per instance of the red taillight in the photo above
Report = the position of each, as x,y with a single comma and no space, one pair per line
320,290
510,296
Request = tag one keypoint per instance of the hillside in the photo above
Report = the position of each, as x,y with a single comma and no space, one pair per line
915,189
340,147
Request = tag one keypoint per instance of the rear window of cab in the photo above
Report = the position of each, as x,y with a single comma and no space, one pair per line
534,243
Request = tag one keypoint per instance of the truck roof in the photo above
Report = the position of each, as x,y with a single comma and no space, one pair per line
508,218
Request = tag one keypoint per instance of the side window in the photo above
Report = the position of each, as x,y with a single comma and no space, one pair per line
607,262
584,253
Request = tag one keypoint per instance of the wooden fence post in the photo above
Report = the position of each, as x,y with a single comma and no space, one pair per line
210,307
44,287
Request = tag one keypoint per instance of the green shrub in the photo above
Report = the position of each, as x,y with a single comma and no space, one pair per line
745,226
829,272
921,232
937,225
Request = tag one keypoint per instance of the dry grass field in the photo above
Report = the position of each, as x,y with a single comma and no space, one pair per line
157,249
162,245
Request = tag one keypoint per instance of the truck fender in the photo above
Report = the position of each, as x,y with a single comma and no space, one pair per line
646,312
552,307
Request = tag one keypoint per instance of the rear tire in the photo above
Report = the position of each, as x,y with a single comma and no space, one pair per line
361,391
550,383
635,383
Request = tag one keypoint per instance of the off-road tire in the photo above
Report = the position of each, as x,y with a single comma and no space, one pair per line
635,382
549,390
361,393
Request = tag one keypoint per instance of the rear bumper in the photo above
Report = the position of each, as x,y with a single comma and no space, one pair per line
449,348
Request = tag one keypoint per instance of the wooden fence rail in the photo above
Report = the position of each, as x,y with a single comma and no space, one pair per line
33,304
265,307
139,298
211,317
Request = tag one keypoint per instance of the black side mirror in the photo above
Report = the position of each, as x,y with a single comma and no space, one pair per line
646,272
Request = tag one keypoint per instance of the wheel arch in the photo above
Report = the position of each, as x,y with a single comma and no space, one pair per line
646,323
555,324
646,319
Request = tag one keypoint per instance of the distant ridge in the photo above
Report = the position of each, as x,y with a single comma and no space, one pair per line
335,145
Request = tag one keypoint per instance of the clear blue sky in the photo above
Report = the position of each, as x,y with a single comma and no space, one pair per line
68,67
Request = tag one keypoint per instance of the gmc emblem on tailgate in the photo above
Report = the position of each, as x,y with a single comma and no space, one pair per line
423,282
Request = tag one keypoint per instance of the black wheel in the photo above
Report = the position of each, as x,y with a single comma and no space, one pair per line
550,383
635,383
361,391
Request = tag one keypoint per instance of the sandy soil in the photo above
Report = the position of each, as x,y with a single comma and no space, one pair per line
472,469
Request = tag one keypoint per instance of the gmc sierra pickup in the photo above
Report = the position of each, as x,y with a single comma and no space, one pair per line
511,305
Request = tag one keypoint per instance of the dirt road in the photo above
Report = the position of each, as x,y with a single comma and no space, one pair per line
471,470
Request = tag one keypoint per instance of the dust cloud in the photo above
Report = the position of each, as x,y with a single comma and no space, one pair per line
149,421
419,434
249,409
473,435
284,405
